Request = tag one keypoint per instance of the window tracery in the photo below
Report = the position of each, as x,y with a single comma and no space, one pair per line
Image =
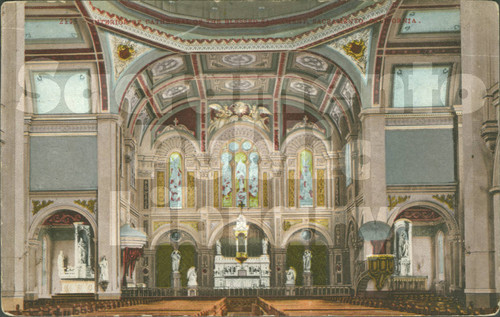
240,174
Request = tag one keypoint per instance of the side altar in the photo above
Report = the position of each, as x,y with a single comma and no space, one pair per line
80,277
242,271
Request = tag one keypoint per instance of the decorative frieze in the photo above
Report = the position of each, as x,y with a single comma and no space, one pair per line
90,204
447,199
193,224
288,223
39,205
321,222
158,224
160,189
320,188
216,189
393,201
291,188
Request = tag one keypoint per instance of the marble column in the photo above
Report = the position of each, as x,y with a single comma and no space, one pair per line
108,215
279,269
13,186
479,57
206,267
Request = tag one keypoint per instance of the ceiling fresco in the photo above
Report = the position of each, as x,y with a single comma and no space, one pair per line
179,34
273,91
164,68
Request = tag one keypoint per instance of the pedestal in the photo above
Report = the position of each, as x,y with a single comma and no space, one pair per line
289,289
176,280
192,290
307,278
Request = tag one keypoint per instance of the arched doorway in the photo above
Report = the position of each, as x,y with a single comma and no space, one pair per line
242,257
171,241
298,245
420,244
66,260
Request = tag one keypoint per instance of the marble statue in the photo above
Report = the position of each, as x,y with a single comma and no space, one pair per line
176,260
191,276
60,263
264,246
306,258
290,276
218,247
82,248
103,264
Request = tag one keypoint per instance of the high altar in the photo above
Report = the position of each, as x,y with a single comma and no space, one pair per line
242,271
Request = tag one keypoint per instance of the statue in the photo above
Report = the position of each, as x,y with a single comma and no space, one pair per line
103,264
176,259
218,247
306,258
264,246
403,246
60,263
191,275
290,276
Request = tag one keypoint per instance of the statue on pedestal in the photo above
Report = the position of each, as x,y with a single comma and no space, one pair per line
103,264
306,258
60,263
264,246
191,275
176,259
290,276
218,247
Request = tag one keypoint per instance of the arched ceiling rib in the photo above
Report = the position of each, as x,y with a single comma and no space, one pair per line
297,90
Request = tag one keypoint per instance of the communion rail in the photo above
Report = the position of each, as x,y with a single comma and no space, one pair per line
210,292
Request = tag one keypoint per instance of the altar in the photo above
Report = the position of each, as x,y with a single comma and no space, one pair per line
253,273
241,271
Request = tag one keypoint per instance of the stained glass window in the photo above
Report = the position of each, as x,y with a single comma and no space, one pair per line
240,175
175,180
306,181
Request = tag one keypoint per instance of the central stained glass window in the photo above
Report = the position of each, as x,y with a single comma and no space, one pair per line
240,174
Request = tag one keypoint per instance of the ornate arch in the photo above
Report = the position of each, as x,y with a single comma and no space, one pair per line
298,139
240,130
447,217
165,229
40,217
173,141
218,230
321,230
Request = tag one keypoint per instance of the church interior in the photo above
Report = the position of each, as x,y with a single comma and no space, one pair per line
260,157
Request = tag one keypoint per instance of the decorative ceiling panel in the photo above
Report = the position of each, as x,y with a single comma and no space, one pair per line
248,61
239,85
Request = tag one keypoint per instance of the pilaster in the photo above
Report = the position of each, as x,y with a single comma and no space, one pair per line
13,186
108,214
478,51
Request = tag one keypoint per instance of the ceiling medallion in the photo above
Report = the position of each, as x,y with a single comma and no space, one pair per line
239,84
312,62
356,49
174,91
166,66
239,59
125,52
304,88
